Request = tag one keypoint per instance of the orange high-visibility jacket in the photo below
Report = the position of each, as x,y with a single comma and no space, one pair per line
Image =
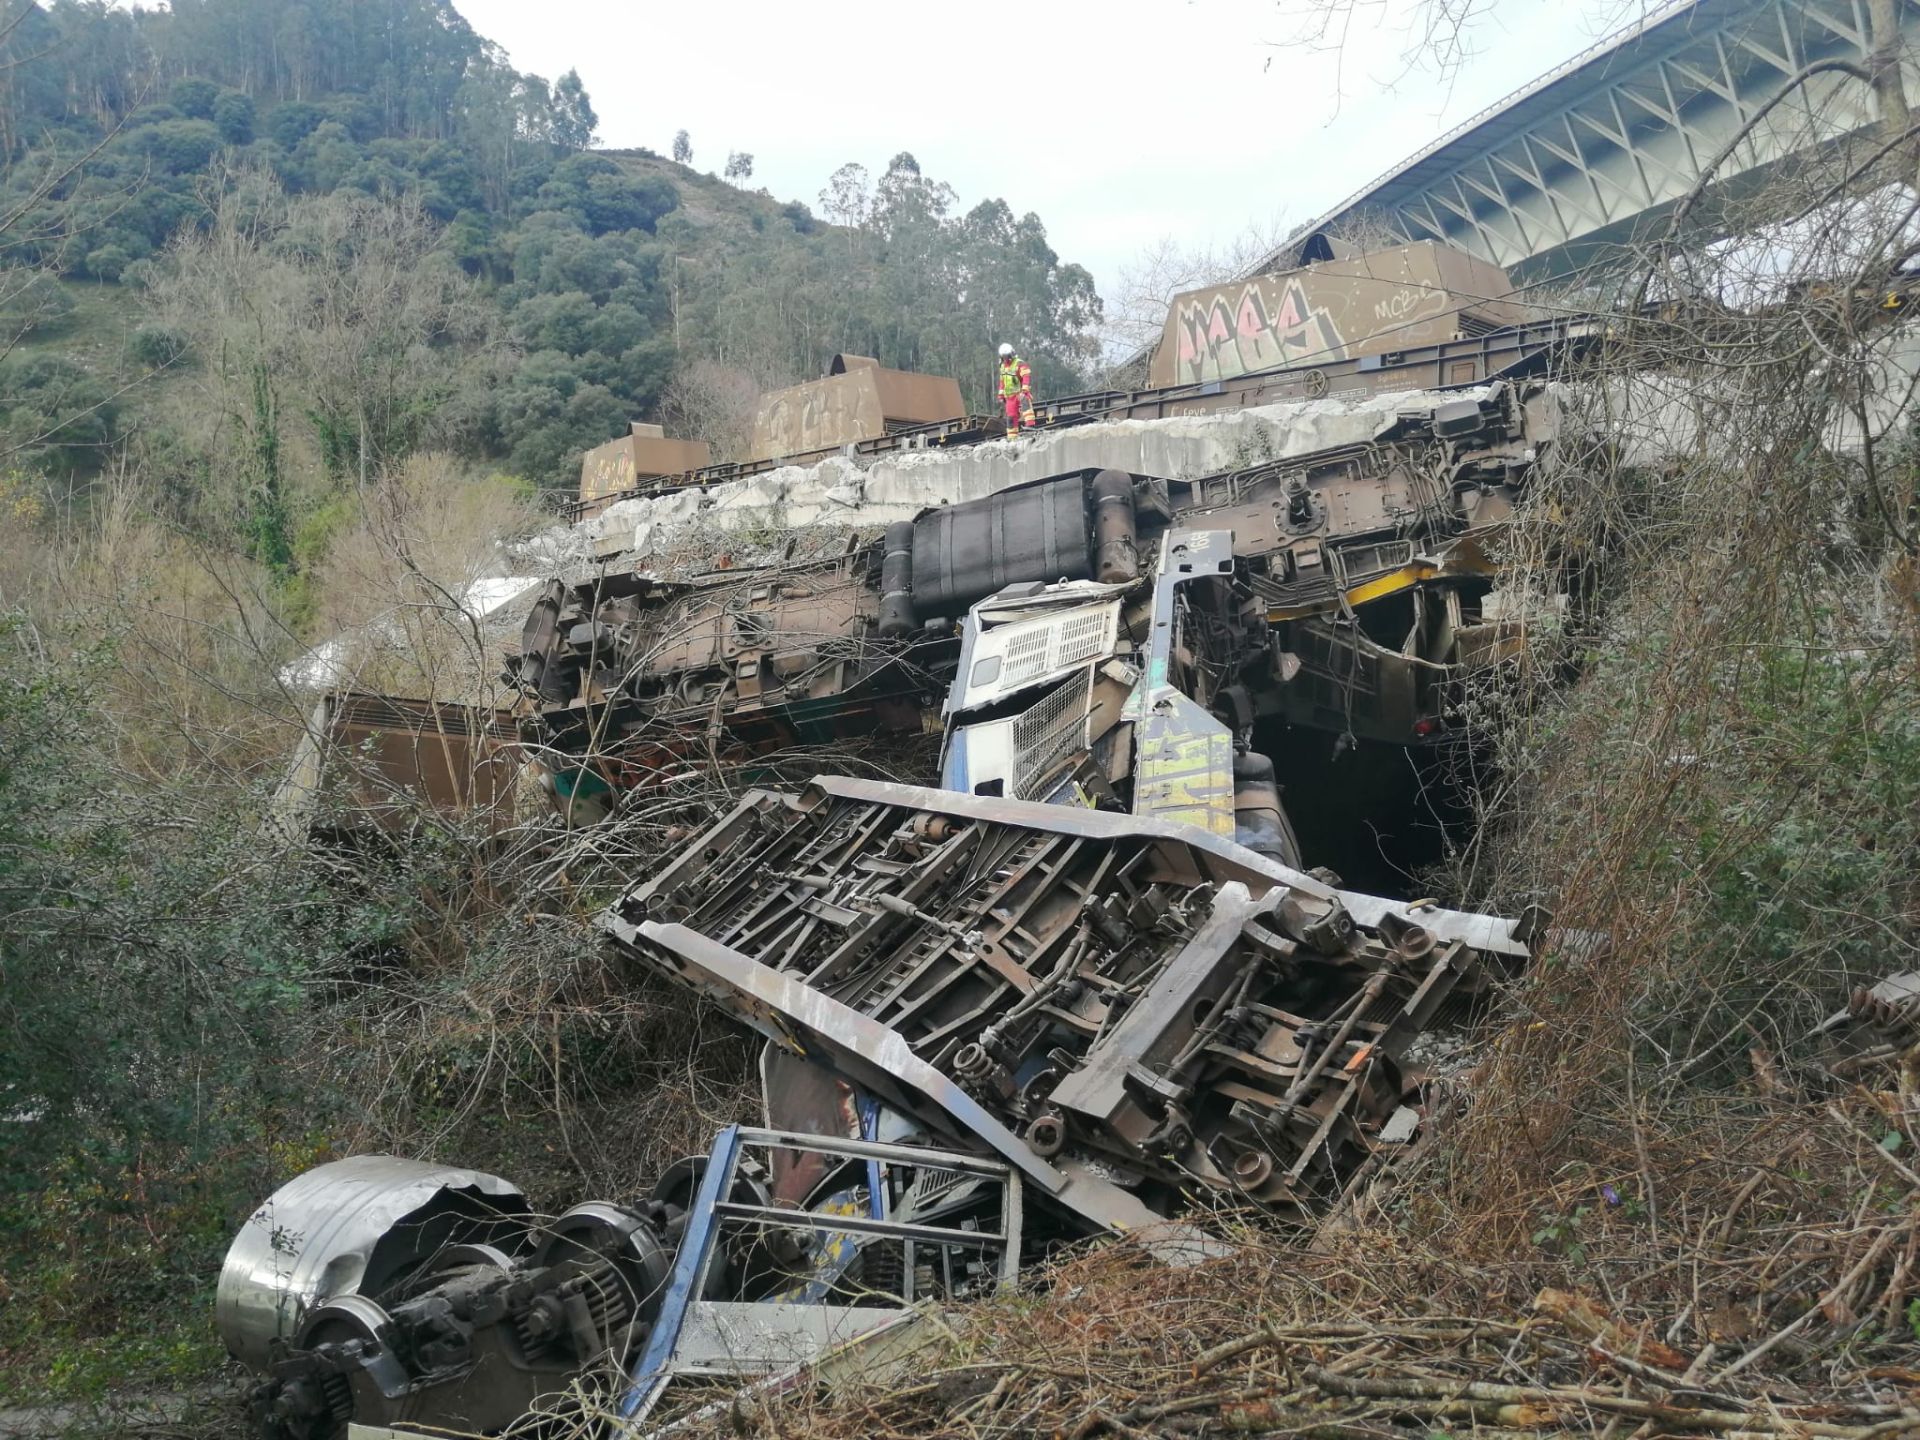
1016,377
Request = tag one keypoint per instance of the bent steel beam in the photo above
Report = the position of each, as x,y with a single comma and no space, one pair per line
795,1015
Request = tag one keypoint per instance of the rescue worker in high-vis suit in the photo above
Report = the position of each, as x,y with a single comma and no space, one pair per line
1016,389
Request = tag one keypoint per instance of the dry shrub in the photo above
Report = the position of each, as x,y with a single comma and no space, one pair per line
396,582
715,402
194,631
536,1055
1271,1337
491,1027
331,336
1723,811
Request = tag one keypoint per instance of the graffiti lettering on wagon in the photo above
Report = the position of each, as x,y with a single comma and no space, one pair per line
1222,334
1409,303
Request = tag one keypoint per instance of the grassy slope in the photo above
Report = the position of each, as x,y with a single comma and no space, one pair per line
95,333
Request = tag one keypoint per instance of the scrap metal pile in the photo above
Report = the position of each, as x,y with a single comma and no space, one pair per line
1111,1003
1123,1009
378,1291
994,1024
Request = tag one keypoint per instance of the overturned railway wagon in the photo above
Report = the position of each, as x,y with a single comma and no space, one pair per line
1354,589
1084,982
1121,1008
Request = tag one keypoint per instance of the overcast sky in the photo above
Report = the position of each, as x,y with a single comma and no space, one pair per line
1118,121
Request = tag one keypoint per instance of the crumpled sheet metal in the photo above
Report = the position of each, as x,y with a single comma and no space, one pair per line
344,1228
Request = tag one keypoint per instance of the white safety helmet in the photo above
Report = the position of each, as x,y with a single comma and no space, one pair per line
1005,351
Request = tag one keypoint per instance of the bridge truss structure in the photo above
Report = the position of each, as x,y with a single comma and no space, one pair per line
1593,156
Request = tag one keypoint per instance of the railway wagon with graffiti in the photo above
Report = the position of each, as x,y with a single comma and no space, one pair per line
1338,305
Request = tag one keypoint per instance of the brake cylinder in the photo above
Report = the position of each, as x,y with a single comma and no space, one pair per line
896,582
1116,555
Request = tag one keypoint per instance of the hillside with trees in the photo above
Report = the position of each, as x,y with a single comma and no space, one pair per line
594,280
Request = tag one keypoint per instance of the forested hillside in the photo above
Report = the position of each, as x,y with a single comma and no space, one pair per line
589,284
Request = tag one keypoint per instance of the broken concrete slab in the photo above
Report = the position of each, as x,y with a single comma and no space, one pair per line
899,486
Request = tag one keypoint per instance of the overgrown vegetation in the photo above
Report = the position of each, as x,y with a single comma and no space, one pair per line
155,963
1728,802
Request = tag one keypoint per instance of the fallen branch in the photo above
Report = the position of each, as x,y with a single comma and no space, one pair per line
1864,1264
1520,1405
